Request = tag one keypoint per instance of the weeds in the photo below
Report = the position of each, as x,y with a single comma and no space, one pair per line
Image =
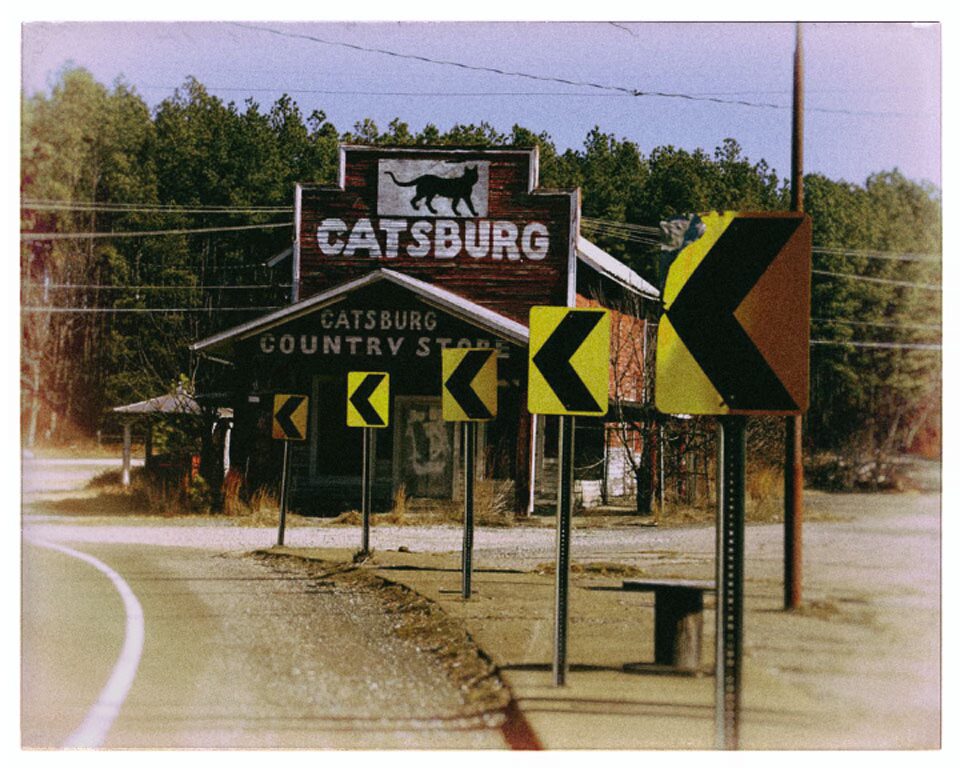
598,568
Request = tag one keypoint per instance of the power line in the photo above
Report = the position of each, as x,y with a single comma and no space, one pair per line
549,79
904,326
107,287
637,232
871,254
426,94
102,207
624,225
698,95
35,236
881,280
877,344
160,310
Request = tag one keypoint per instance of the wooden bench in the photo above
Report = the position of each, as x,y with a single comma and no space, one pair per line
678,622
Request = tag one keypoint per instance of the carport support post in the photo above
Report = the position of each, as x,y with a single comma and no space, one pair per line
469,473
125,471
730,534
564,495
366,492
283,493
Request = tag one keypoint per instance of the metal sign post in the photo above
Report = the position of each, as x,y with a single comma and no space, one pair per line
368,407
366,492
469,473
568,375
564,494
283,493
469,395
730,560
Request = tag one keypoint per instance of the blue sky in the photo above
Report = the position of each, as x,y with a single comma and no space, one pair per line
872,90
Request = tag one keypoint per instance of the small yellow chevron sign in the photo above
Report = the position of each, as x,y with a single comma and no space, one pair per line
469,384
368,399
290,417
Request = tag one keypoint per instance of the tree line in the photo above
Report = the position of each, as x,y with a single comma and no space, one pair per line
107,320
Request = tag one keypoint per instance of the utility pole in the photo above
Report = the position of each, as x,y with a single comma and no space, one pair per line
793,460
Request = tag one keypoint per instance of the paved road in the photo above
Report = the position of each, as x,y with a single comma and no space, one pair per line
236,654
138,635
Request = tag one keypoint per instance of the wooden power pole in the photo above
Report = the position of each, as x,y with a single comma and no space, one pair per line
793,461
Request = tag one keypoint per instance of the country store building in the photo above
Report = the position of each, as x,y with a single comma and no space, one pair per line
413,251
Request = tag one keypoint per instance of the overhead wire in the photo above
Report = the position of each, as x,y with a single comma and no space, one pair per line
107,207
628,91
877,344
629,231
148,310
868,253
42,236
166,287
879,280
904,326
642,234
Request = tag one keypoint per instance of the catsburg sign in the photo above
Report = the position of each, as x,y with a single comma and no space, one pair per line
471,221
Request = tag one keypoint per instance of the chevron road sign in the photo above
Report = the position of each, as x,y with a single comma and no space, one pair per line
290,417
368,399
569,372
734,336
469,384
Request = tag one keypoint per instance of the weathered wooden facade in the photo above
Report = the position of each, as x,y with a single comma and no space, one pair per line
417,249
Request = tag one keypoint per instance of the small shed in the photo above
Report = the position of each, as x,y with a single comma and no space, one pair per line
180,403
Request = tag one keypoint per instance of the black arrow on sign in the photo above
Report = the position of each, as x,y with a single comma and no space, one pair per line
553,360
460,384
283,415
360,399
702,313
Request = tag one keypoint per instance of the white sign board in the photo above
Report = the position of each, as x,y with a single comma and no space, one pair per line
426,188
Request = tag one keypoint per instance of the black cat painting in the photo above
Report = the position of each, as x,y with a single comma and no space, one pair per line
455,189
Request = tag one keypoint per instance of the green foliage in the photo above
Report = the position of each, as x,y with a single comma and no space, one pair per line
872,401
86,143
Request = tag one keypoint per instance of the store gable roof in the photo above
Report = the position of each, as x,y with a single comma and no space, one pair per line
430,294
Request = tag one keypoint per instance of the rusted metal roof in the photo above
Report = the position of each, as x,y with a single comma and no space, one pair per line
613,269
179,403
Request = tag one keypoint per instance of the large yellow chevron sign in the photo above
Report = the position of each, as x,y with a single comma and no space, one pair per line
734,337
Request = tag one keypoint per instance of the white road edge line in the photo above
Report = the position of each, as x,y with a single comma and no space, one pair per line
96,725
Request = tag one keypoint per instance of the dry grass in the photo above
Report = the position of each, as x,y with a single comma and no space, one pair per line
764,495
598,568
263,509
106,495
492,505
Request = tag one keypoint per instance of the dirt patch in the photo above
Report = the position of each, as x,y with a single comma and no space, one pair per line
421,622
